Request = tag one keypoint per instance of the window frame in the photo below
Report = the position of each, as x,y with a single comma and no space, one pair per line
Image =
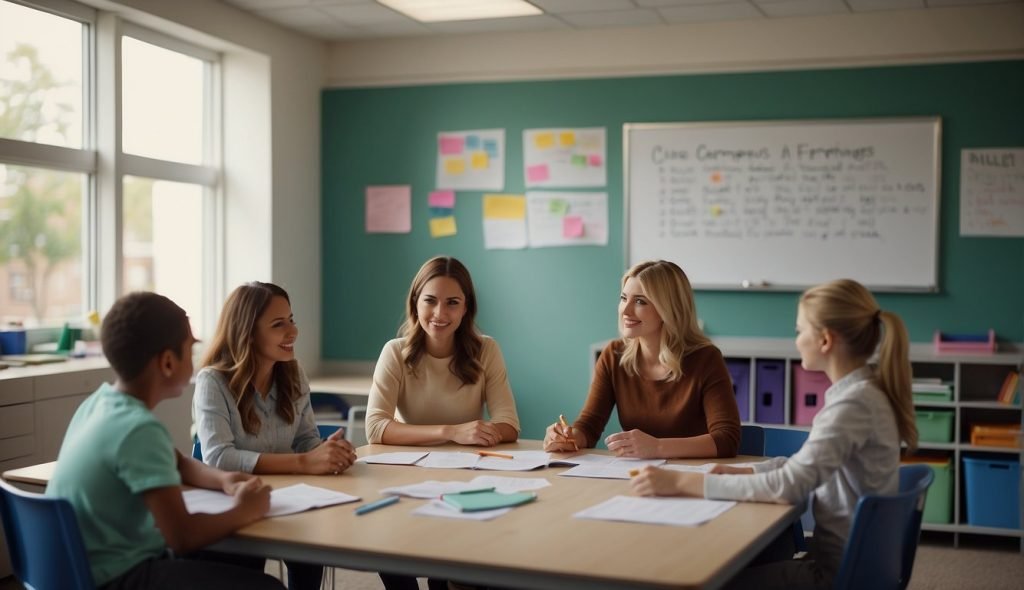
105,165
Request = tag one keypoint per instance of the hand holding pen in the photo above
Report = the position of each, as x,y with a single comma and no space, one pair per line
560,437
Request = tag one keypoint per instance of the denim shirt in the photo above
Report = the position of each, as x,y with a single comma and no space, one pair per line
226,445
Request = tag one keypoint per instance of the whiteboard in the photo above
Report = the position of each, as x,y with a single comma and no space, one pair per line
783,205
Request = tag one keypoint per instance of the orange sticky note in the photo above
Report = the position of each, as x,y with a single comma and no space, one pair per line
567,139
544,140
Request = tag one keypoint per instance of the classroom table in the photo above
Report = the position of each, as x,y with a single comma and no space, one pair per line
538,545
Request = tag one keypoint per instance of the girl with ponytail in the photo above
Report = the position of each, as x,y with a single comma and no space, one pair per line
854,445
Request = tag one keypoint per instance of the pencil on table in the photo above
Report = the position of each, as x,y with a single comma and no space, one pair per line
568,430
493,454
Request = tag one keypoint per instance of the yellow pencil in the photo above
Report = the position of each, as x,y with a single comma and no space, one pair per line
493,454
568,430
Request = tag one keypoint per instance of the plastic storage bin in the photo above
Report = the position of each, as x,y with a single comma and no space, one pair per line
808,394
934,426
770,387
739,370
938,506
993,492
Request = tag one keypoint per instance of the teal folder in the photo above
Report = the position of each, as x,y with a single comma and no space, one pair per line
487,500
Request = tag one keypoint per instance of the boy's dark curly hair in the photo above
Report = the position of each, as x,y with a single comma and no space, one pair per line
139,327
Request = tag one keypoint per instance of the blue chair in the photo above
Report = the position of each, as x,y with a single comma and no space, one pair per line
197,449
883,539
751,440
785,442
47,552
327,429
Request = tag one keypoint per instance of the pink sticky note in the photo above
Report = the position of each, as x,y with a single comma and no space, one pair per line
572,226
538,173
595,160
441,199
389,209
451,144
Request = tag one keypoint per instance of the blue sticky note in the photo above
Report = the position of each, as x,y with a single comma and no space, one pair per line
472,142
491,147
441,211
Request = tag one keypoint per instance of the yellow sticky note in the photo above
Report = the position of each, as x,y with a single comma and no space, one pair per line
454,166
504,207
479,160
567,138
544,140
716,211
442,226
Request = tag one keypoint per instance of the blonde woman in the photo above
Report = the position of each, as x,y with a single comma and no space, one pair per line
854,445
669,383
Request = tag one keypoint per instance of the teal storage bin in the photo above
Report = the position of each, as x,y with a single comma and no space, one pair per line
993,492
934,426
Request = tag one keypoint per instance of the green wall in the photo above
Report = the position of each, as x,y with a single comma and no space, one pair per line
546,306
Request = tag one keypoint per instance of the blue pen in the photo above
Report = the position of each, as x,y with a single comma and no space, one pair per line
382,503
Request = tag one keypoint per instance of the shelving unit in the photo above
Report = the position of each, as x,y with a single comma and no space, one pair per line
976,380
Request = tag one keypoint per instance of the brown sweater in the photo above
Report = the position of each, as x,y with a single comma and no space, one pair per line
700,402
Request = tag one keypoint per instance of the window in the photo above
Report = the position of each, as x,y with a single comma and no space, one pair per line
41,205
159,193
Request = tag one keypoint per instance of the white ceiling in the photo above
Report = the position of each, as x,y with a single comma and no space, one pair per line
362,19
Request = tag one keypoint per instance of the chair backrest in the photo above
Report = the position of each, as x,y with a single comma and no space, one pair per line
783,442
47,552
327,429
751,440
883,539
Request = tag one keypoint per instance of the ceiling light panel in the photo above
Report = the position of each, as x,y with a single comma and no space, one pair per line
432,11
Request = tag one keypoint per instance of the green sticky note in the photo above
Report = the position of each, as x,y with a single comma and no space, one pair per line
579,160
558,206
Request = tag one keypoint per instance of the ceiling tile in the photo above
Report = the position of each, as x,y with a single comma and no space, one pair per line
519,23
267,4
784,8
562,6
613,18
870,5
943,3
709,13
363,14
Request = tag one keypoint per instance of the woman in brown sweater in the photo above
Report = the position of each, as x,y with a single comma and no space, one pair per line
670,384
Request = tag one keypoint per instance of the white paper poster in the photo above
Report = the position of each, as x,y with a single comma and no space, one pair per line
567,219
504,222
992,192
471,160
565,157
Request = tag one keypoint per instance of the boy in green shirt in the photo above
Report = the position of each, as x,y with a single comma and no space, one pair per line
119,470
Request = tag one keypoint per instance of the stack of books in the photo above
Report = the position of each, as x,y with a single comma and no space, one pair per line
927,389
1009,393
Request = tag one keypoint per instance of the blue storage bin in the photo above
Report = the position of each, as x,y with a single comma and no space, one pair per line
739,370
993,492
770,388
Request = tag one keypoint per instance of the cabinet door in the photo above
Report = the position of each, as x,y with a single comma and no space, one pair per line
52,419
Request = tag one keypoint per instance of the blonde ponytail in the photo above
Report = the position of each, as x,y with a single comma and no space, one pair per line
849,310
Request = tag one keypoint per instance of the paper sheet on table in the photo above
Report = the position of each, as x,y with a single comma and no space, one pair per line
609,467
705,468
431,489
439,508
509,485
670,511
289,500
403,458
449,460
521,461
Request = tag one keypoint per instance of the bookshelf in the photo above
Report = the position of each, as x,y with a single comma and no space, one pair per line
976,380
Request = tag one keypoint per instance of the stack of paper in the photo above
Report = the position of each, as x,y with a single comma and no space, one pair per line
434,489
605,467
671,511
519,461
289,500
